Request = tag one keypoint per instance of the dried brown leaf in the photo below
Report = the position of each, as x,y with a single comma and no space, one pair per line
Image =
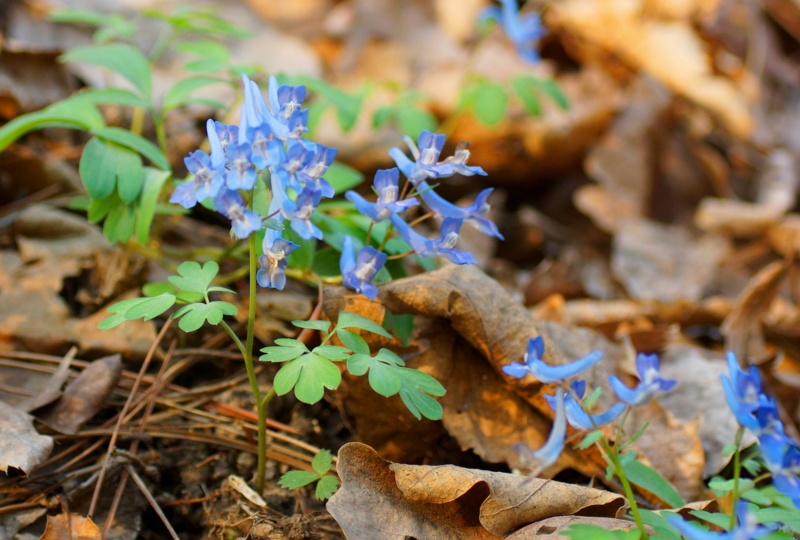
382,500
21,447
551,528
78,528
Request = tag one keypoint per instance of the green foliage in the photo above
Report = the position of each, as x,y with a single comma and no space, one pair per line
309,372
121,58
327,484
181,93
529,90
190,287
347,105
342,177
658,521
109,25
487,100
593,532
649,479
105,166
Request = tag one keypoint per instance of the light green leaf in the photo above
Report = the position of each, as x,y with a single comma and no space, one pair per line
136,308
649,479
297,479
322,462
591,438
412,120
353,341
359,364
326,487
120,222
353,320
280,354
420,404
194,316
553,90
74,112
134,142
288,342
332,352
322,326
342,177
153,182
121,58
489,102
384,380
97,169
179,94
117,96
309,375
524,87
213,56
194,278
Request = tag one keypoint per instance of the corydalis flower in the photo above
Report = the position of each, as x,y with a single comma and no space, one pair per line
273,263
440,247
427,164
577,416
744,394
524,31
299,213
474,214
551,450
244,222
651,382
534,365
206,184
358,272
747,527
385,183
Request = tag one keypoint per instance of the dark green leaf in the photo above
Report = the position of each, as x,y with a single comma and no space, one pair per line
303,257
401,325
97,169
353,320
194,278
72,112
135,142
121,58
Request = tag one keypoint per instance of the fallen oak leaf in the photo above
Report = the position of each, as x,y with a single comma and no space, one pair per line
379,499
78,528
21,447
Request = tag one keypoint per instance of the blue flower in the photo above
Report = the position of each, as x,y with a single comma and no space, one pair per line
747,527
440,247
299,213
782,458
426,156
745,394
552,448
458,161
534,365
385,183
651,382
287,120
525,31
241,174
316,165
229,204
225,134
206,184
578,417
273,262
265,150
474,214
358,272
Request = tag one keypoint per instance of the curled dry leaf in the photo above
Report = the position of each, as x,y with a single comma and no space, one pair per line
742,328
21,447
551,528
78,528
84,396
379,499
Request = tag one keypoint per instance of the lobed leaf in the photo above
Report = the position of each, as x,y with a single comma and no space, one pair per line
308,375
297,479
352,320
134,308
121,58
195,278
135,142
353,341
326,487
322,326
322,462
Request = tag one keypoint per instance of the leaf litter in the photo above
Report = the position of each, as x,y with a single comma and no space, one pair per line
658,213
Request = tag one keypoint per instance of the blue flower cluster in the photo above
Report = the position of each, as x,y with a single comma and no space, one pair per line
747,527
569,407
758,412
525,31
268,144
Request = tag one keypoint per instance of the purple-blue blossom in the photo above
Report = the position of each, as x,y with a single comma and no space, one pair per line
426,155
273,262
533,364
359,271
577,416
650,384
385,183
299,213
744,393
475,214
551,450
244,222
525,31
206,183
747,527
439,247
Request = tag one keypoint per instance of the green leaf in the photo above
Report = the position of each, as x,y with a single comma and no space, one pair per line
348,106
412,120
309,375
303,257
715,518
74,112
353,341
213,56
77,16
97,169
135,142
179,94
322,326
553,90
155,288
322,462
591,438
194,316
658,520
525,89
416,387
326,487
593,532
297,479
384,380
117,96
489,102
136,308
121,58
342,177
120,222
401,325
649,479
358,364
280,354
332,352
288,342
353,320
153,183
195,278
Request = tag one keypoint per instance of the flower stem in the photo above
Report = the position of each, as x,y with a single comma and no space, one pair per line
248,358
737,472
612,456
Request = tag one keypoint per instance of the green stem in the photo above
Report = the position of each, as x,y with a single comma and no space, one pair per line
626,486
737,472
